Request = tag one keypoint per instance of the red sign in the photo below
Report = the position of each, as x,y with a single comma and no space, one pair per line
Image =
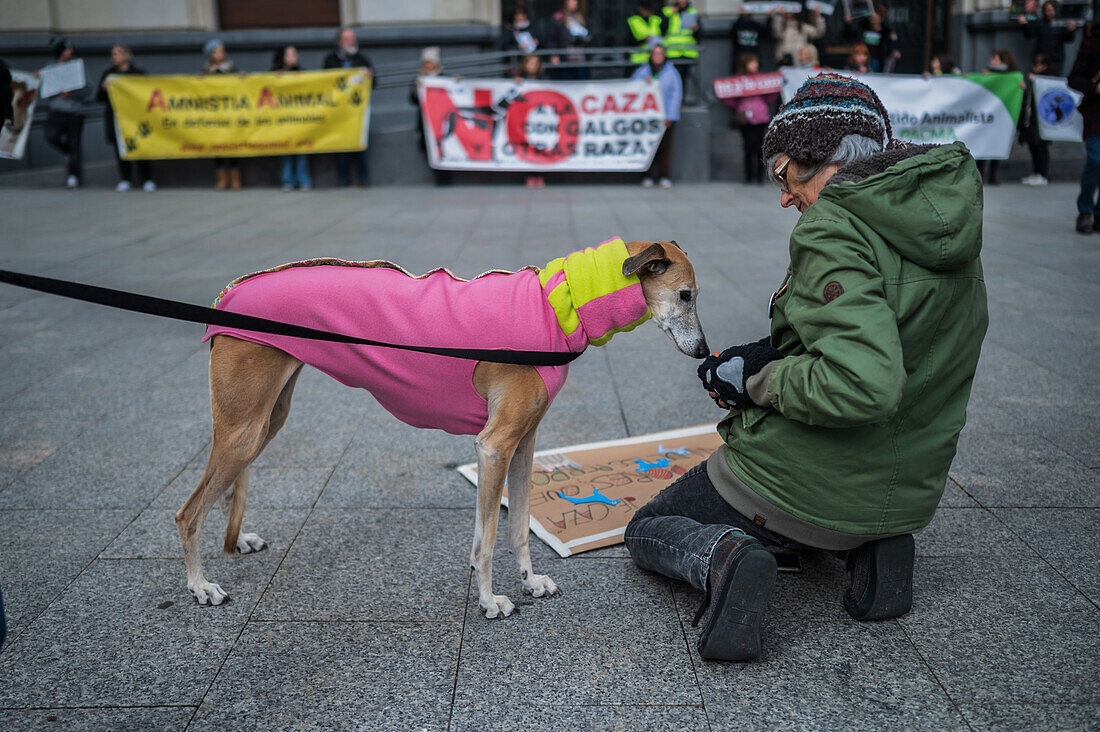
748,85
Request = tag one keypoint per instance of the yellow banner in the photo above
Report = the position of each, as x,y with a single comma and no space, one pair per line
226,115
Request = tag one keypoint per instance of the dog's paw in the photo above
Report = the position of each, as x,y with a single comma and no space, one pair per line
499,607
208,593
539,585
249,543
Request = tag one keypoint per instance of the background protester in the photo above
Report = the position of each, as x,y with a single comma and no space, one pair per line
227,171
1085,78
876,36
672,91
1001,61
568,32
681,30
348,56
1029,125
431,64
793,32
516,35
647,26
859,59
531,68
807,57
293,169
941,64
746,37
122,63
1050,39
65,118
752,115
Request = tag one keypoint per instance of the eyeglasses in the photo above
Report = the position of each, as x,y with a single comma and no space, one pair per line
779,175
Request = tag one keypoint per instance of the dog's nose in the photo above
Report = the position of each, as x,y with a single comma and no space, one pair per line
702,350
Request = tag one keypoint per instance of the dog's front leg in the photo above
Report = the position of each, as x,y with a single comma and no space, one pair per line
493,455
519,519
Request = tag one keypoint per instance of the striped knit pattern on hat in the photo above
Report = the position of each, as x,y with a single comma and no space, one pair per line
826,109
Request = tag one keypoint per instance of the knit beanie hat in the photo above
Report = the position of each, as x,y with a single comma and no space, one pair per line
826,109
209,46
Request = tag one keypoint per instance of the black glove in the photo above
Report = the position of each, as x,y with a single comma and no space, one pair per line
726,373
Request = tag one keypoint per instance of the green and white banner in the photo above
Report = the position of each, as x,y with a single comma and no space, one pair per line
981,110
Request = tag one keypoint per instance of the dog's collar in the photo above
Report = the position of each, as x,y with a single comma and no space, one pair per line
589,291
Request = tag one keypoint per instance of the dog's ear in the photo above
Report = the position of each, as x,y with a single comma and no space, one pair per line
653,259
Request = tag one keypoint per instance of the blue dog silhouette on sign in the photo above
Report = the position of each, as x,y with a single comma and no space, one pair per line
596,497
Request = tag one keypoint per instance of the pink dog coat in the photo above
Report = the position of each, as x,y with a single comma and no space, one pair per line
574,301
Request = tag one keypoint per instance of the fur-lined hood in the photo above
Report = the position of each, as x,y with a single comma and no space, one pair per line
924,200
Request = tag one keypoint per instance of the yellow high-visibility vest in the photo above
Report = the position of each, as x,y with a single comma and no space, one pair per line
679,41
643,29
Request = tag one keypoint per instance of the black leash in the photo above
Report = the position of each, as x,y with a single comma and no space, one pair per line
212,316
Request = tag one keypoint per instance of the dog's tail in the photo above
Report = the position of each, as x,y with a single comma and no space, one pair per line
236,512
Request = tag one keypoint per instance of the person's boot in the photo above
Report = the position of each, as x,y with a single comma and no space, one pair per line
880,579
739,586
235,178
1084,223
221,179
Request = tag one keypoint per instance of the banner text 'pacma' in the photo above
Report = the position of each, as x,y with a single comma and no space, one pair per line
230,115
501,125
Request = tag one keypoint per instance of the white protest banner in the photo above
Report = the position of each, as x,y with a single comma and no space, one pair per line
496,124
13,135
981,110
1056,110
763,7
61,78
825,7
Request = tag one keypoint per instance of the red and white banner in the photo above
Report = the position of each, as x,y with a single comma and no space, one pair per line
497,124
748,85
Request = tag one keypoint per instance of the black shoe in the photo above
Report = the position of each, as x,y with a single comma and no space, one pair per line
1085,223
739,585
880,576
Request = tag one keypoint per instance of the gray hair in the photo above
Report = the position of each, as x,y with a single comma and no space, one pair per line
850,149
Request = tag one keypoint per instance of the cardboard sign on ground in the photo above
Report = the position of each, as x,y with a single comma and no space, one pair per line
582,496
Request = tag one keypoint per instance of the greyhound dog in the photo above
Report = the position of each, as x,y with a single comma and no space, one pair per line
577,300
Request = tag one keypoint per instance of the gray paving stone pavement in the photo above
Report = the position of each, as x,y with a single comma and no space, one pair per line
361,613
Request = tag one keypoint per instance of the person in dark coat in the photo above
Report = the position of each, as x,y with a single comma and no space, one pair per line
1028,125
348,56
568,32
1050,39
122,62
65,118
746,37
1085,78
293,169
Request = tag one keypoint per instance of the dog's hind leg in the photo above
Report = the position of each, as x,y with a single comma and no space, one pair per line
246,381
233,501
517,400
519,518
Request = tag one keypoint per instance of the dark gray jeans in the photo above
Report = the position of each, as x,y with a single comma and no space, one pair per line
675,533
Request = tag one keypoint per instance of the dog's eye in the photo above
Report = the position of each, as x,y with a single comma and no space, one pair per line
685,295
